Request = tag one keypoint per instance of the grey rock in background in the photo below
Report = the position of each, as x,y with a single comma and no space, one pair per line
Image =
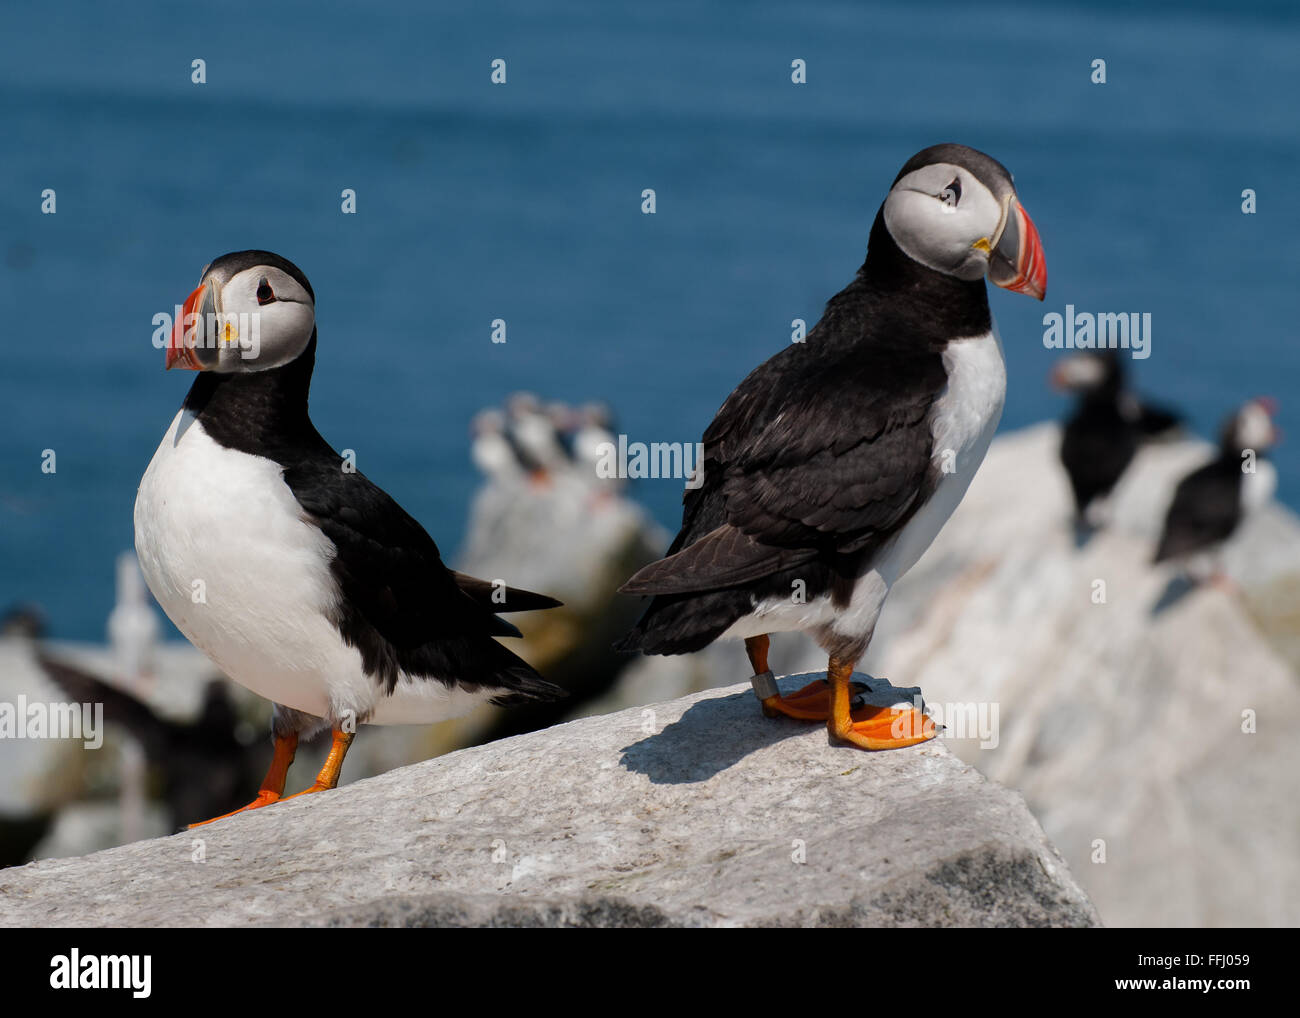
1122,726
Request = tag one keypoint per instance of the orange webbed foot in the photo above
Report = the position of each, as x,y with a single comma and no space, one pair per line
315,786
264,798
871,727
273,784
885,728
811,703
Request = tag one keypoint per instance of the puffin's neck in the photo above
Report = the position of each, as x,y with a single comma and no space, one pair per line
951,307
256,411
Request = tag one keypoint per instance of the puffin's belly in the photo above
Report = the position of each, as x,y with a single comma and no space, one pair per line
1258,486
226,551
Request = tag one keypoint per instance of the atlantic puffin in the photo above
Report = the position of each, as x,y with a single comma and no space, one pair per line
1210,502
1102,434
834,464
272,554
533,433
592,437
491,448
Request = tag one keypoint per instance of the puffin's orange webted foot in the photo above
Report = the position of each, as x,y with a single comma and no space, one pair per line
811,703
871,727
286,747
885,728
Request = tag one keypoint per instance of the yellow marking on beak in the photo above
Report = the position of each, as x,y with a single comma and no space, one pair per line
231,335
983,245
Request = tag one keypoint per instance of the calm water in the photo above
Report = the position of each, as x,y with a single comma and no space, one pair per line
522,202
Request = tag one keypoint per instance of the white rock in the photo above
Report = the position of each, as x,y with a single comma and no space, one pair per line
1120,727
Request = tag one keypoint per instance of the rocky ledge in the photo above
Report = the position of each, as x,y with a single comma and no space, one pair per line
694,812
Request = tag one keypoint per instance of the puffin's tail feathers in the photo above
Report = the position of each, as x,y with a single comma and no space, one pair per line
497,598
725,557
519,682
684,623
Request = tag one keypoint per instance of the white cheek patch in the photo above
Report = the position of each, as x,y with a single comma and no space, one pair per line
941,234
1082,371
265,335
1255,428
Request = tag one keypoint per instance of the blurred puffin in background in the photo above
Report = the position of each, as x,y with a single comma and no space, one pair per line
1210,503
1102,434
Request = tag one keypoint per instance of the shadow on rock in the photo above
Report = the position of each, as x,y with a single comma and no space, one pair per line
711,736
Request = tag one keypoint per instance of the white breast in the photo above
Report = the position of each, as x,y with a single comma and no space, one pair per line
226,551
493,456
965,417
1258,487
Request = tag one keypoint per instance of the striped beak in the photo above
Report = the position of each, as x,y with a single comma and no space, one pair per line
1016,262
187,344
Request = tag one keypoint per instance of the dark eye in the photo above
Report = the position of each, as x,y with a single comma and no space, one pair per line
264,292
951,194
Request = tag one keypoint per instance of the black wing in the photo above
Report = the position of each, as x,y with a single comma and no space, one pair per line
1154,419
388,566
805,458
1204,512
120,707
402,607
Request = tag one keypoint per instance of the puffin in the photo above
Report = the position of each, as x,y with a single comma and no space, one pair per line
204,764
1210,503
593,437
532,432
835,463
300,578
491,448
1102,434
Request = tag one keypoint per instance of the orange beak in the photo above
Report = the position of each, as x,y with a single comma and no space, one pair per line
1016,262
185,330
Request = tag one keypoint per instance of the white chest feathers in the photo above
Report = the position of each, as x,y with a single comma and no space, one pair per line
226,551
233,561
964,419
1257,486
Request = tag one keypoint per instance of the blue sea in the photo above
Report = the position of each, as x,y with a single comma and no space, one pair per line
522,201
